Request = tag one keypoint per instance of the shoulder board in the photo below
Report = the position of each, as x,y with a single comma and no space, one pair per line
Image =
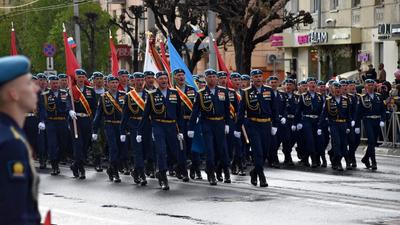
350,94
362,95
246,89
281,91
200,90
359,94
44,92
63,90
222,87
328,98
173,89
267,86
231,89
189,86
378,94
122,92
89,87
102,95
305,93
345,97
318,94
151,91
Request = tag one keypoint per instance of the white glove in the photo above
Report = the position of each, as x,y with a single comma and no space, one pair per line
283,121
72,114
190,134
347,130
152,136
226,129
381,124
236,134
122,138
42,126
353,123
94,137
299,126
180,137
357,130
139,138
329,129
293,128
319,132
274,130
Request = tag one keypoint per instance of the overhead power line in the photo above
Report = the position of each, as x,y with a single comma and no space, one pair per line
19,6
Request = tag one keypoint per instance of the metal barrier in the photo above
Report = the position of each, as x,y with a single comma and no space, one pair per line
390,133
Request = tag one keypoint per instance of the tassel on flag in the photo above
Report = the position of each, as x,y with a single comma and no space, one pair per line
113,57
13,49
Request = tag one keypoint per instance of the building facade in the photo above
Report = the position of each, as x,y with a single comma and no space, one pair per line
345,36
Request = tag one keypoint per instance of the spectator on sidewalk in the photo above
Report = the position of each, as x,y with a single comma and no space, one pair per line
382,73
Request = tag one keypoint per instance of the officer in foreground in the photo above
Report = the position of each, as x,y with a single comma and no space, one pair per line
18,178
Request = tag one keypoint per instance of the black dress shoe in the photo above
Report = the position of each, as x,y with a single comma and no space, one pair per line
227,176
253,177
198,175
185,178
211,178
98,168
152,174
263,180
164,181
235,170
324,164
75,171
192,174
366,162
82,174
354,164
348,166
374,167
117,180
110,174
172,173
219,176
42,165
339,167
242,172
135,176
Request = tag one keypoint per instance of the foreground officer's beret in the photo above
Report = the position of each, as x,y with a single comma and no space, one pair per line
179,70
256,72
12,67
138,75
245,77
149,73
112,78
122,72
221,74
80,72
311,79
97,74
161,73
210,72
53,77
235,75
62,76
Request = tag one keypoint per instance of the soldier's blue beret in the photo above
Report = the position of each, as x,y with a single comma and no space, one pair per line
245,77
288,81
222,74
97,74
179,70
105,78
273,78
256,72
343,82
201,81
302,82
351,82
138,75
149,73
34,77
112,78
41,76
122,72
311,79
161,73
80,72
369,81
12,67
195,77
62,76
330,82
336,84
210,72
320,83
53,77
235,75
131,76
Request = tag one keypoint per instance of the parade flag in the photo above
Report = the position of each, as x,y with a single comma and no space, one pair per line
164,57
71,42
70,61
13,49
149,63
47,219
177,63
222,66
199,33
114,58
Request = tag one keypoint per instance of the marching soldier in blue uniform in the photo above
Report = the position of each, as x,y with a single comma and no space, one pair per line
18,178
187,94
321,89
337,109
123,76
110,109
289,136
84,100
258,104
41,139
373,114
355,132
63,78
307,117
163,106
280,104
53,118
211,106
149,154
132,115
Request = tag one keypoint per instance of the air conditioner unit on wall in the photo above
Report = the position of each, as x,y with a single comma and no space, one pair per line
274,57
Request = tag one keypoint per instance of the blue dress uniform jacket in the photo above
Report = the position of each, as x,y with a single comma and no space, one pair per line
54,106
289,136
90,96
18,183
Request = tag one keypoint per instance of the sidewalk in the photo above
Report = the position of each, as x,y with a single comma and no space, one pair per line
382,150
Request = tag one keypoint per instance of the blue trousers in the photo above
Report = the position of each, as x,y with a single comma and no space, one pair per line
288,138
115,146
260,142
353,141
58,138
166,144
339,141
312,141
372,129
82,143
31,131
138,156
215,143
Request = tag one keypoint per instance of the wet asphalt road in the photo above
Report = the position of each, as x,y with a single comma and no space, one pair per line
295,196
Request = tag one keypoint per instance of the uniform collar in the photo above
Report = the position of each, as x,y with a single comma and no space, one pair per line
8,121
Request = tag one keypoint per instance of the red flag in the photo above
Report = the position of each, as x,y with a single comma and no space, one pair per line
222,66
114,58
166,63
13,50
47,219
70,61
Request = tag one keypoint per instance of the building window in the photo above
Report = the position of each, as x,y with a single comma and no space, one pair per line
355,17
295,6
355,3
379,2
334,4
314,6
379,15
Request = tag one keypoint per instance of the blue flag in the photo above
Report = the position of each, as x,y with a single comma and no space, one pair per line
176,62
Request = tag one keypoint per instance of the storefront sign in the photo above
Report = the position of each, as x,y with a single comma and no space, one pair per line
312,38
343,36
384,31
363,57
395,30
277,40
123,50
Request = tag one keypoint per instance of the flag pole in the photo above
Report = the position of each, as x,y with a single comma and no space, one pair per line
72,98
